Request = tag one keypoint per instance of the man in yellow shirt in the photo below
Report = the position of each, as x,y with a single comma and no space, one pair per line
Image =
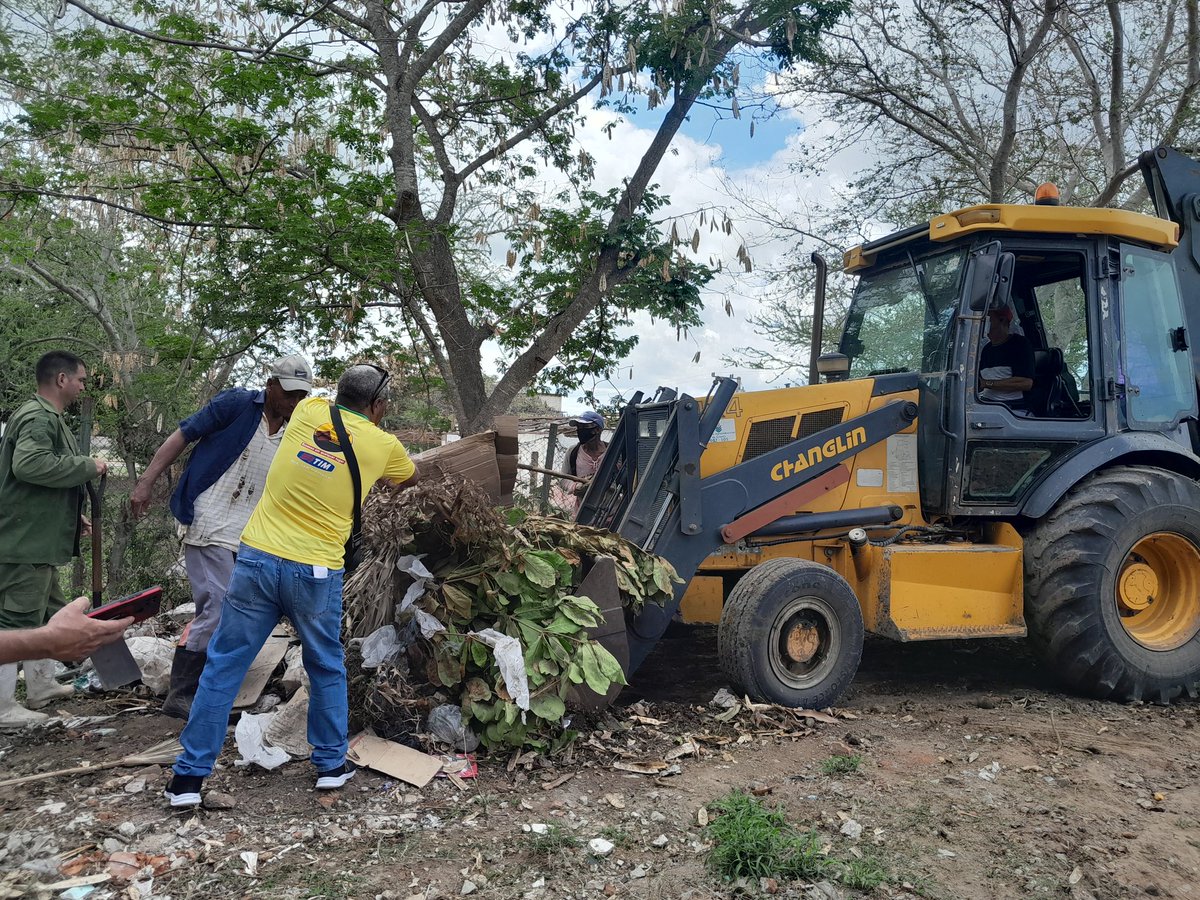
290,564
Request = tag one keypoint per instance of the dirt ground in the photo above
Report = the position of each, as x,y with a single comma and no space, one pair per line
976,779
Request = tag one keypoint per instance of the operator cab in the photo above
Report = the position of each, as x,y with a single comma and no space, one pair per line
1096,324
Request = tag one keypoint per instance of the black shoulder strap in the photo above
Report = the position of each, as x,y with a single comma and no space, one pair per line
573,460
352,463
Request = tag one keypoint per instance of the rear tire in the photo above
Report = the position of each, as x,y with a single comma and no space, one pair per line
791,633
1112,585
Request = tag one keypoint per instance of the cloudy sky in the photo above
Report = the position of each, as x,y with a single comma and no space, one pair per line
711,152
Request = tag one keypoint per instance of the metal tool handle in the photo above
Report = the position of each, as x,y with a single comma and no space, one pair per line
96,495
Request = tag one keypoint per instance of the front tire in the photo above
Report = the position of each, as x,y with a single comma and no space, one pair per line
1112,585
791,633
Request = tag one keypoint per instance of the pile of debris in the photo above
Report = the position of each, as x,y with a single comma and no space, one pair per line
459,604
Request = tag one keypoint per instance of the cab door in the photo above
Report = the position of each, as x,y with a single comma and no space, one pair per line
1004,451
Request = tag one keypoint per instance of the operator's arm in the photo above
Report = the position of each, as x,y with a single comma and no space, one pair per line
69,635
166,454
34,460
1014,383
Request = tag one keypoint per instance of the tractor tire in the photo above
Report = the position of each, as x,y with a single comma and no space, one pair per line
791,633
1112,585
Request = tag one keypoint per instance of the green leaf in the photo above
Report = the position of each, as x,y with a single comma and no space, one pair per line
479,653
547,706
562,625
511,583
593,673
450,670
539,571
609,666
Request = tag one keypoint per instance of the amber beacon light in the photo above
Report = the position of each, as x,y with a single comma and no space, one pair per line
1046,194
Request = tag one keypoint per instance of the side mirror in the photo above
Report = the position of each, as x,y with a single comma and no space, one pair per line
989,278
834,366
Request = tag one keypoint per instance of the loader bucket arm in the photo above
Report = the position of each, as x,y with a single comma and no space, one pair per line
673,512
1173,182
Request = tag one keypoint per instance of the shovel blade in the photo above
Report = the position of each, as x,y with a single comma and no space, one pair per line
115,665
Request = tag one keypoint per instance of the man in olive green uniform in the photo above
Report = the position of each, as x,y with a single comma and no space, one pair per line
41,500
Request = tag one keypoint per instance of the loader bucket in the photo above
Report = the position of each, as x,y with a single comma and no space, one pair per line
600,586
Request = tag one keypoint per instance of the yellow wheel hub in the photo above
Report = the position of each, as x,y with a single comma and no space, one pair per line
1139,584
1158,591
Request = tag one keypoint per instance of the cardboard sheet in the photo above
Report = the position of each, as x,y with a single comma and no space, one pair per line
409,765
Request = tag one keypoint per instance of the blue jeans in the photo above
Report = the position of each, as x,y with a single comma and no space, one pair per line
263,589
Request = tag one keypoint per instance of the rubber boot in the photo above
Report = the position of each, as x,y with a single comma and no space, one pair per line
41,687
185,678
13,716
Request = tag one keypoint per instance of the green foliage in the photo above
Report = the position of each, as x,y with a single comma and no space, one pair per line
752,841
862,874
558,249
839,764
554,841
514,573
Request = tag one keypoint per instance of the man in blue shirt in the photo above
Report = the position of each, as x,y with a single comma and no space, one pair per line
237,434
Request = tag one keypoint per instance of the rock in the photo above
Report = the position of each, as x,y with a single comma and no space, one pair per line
656,816
724,699
946,854
136,786
823,890
852,829
601,848
540,883
768,885
536,828
220,800
127,830
184,612
112,845
639,872
294,676
661,841
468,887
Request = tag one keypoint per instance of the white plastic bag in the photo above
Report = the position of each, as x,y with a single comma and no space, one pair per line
412,565
511,660
249,736
380,646
154,657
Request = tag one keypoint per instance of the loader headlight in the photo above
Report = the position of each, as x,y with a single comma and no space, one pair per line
833,366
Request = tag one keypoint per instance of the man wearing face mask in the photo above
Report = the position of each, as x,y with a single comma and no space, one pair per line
41,497
584,458
290,563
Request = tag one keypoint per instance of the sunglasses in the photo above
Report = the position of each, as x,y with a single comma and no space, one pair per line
384,375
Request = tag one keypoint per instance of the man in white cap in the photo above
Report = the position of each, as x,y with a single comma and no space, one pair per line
238,433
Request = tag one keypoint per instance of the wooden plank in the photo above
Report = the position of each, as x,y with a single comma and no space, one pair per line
260,670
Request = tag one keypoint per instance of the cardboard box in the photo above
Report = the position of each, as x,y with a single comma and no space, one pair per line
472,457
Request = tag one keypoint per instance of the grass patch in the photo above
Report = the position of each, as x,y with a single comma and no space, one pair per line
752,841
555,840
862,874
841,765
615,834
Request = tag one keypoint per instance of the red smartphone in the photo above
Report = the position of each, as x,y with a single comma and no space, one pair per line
141,605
